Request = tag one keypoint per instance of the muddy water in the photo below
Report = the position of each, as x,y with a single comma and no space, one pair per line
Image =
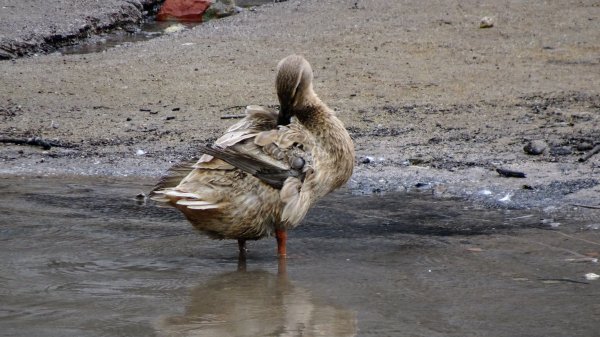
84,257
149,29
96,44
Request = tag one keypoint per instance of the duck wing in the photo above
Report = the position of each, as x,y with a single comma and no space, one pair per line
273,175
255,145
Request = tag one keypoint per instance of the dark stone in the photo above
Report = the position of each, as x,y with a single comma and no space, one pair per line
535,147
510,174
585,146
561,150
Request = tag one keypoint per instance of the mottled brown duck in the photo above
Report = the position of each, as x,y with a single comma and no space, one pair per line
261,177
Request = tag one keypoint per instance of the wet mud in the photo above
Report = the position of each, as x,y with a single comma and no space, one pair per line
81,27
36,27
85,257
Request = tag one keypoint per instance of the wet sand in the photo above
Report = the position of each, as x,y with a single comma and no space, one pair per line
430,98
84,257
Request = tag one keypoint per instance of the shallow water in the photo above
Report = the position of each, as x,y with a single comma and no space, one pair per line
84,257
149,29
104,41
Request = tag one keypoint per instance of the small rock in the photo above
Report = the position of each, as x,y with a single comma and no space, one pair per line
510,173
485,192
506,198
176,28
584,146
535,147
140,195
220,9
140,152
561,150
168,118
592,276
486,22
366,160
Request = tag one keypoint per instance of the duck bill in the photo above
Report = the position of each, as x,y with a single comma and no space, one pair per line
285,115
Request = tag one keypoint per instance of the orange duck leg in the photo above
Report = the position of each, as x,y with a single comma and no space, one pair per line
281,235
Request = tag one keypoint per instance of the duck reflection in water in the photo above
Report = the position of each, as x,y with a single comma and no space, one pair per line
257,303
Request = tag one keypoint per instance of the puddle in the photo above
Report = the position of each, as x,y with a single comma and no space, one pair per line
83,257
148,30
104,41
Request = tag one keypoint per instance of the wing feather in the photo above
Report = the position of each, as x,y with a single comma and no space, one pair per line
270,174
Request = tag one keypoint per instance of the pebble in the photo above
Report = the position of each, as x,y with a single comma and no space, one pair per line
486,22
592,276
485,192
535,147
561,150
140,152
367,159
585,146
176,28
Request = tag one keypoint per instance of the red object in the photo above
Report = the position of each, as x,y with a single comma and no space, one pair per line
183,10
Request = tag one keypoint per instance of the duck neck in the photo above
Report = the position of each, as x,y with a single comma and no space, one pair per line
313,117
337,151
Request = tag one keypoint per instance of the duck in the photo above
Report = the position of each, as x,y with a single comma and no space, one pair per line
260,178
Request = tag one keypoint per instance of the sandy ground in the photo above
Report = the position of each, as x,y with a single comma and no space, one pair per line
430,99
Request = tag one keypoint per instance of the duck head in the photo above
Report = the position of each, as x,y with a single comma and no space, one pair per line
294,86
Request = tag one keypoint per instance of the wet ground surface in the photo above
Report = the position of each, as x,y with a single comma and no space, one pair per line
84,257
148,29
84,26
102,42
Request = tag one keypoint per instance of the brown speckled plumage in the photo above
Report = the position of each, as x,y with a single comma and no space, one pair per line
267,170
